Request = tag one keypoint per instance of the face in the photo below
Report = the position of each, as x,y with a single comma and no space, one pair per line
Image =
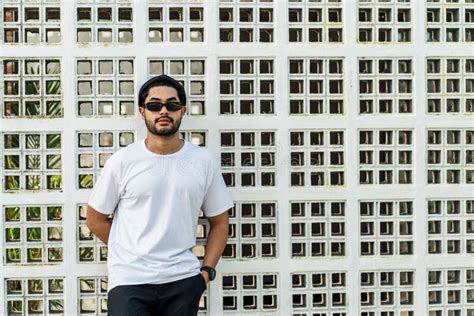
164,122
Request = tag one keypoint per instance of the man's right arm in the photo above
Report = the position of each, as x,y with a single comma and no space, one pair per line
98,223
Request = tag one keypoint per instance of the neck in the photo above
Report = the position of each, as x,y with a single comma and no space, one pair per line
163,145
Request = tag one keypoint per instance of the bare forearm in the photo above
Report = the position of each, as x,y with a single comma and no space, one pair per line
216,242
101,230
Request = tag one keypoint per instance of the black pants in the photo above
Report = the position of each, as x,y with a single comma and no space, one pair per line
178,298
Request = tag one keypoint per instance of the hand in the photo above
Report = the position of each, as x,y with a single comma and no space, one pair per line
205,275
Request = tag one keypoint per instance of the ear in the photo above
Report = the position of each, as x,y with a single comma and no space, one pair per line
141,110
183,109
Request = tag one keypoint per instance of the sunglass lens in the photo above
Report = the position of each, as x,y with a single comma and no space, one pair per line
173,106
154,106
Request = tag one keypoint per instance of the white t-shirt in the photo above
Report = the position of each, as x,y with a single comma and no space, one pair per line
157,201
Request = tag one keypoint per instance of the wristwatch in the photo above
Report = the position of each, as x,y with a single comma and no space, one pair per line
210,271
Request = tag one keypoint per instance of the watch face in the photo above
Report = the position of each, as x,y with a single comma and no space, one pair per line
210,271
212,274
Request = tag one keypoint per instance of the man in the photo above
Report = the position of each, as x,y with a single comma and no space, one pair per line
156,188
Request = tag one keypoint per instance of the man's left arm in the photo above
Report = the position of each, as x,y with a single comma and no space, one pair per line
216,241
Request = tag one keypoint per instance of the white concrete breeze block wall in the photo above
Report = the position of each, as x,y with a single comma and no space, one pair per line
345,130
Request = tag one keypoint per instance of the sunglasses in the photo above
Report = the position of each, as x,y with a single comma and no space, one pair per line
157,106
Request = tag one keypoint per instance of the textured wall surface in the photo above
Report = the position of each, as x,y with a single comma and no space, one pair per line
345,131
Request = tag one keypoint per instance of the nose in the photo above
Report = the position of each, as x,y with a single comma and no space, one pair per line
164,110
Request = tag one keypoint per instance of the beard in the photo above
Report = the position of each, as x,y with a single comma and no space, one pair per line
165,130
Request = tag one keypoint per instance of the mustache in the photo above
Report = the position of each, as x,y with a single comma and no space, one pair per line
164,117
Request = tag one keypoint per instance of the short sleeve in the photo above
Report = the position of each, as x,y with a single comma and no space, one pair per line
217,198
105,195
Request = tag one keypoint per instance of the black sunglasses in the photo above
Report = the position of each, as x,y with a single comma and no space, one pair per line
157,106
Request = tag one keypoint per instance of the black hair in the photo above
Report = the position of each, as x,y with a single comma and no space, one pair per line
161,80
